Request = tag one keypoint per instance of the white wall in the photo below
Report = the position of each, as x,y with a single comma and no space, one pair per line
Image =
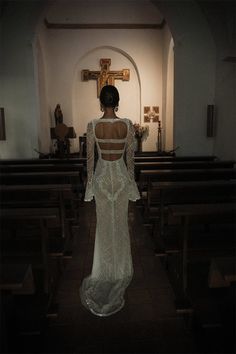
45,144
168,87
225,139
225,38
18,89
70,51
169,122
194,75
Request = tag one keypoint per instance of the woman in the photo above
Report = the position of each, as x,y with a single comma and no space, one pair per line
113,185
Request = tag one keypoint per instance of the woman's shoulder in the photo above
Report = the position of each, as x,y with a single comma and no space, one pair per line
96,120
92,121
127,120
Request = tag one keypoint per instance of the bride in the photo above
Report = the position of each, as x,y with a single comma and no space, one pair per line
112,185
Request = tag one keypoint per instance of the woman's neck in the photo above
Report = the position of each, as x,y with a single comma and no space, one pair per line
109,113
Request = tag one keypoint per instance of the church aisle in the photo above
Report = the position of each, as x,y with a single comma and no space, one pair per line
147,324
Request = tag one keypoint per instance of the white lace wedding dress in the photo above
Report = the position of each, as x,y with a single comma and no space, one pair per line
113,185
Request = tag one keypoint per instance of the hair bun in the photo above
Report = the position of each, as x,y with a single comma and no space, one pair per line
109,96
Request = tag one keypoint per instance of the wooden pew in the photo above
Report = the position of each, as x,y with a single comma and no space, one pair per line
15,279
166,165
38,173
13,168
157,165
16,216
27,203
43,178
27,237
51,177
149,176
42,195
174,157
34,161
156,158
222,272
48,179
160,195
24,203
205,213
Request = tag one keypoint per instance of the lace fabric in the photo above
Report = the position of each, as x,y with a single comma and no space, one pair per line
112,185
90,163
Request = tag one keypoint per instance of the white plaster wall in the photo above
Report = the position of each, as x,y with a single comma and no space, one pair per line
18,89
69,51
167,84
223,28
225,139
169,123
194,75
103,11
46,119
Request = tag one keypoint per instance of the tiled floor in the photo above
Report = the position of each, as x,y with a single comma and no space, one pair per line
147,324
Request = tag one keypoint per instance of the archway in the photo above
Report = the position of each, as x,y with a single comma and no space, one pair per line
130,92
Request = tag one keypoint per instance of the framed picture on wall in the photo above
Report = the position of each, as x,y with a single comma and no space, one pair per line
2,124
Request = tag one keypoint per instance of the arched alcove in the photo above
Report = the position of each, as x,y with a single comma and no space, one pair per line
85,103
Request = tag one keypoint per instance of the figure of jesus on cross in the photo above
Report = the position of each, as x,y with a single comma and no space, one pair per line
105,76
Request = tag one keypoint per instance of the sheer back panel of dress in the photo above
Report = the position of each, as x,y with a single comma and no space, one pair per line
111,136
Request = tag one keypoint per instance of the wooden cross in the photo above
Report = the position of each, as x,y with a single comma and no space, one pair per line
105,76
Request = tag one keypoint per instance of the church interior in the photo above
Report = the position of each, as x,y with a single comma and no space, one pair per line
173,63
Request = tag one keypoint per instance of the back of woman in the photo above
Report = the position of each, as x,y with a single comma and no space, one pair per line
111,135
112,185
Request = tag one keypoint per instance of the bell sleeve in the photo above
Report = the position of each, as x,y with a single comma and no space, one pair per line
89,193
133,193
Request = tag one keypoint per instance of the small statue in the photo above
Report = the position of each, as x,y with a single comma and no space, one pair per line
61,132
58,114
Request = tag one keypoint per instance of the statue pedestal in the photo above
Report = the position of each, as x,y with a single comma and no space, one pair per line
82,146
139,144
61,133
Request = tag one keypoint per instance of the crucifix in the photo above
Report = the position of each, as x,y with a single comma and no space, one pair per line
105,76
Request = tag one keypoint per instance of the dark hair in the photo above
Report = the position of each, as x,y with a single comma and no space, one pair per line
109,96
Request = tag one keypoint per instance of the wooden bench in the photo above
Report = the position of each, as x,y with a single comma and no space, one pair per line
6,168
9,252
54,161
150,158
222,272
51,168
190,213
157,165
42,195
180,165
161,194
173,157
59,177
200,174
15,279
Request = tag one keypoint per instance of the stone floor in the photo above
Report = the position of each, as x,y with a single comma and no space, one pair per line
147,324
